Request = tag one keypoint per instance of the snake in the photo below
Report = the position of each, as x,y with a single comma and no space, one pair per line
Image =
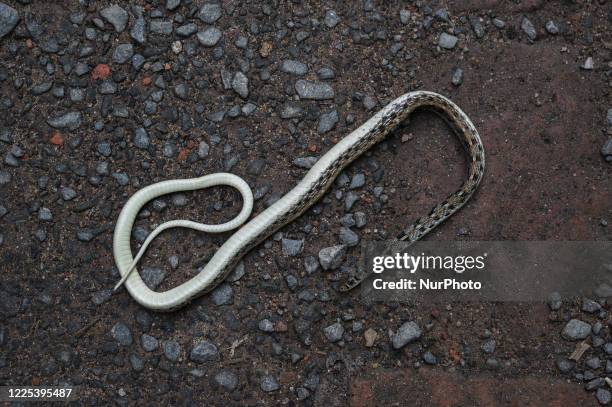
294,203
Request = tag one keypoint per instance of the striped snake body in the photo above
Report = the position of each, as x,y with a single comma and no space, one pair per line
309,190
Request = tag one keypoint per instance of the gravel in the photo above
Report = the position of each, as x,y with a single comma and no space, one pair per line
148,342
70,120
447,41
223,295
331,257
210,13
334,332
8,19
116,16
314,90
172,350
529,29
269,384
122,54
576,329
227,379
152,276
209,37
240,84
122,334
327,121
407,333
204,351
294,67
292,247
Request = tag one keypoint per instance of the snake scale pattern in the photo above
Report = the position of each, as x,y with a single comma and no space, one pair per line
293,204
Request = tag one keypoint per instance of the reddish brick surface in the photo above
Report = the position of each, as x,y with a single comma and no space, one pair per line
437,388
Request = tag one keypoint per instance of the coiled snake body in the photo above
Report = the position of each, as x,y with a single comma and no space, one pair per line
314,184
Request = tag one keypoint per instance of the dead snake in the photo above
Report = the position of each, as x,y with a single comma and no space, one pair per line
308,191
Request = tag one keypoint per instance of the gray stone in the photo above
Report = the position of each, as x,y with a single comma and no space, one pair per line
123,53
488,346
138,61
331,19
67,193
292,247
576,329
122,178
447,41
240,84
187,30
265,325
122,334
204,351
499,23
554,301
104,148
100,297
203,149
5,177
223,295
141,138
41,88
457,76
136,362
603,396
606,150
181,91
152,276
172,4
331,257
565,365
291,111
477,27
139,30
226,379
430,358
172,350
269,384
314,90
237,274
590,306
209,37
311,264
407,333
8,19
305,162
551,27
327,121
71,121
609,117
326,73
149,343
294,67
369,102
209,13
360,219
334,332
348,237
357,181
350,200
404,16
161,27
529,29
45,214
116,16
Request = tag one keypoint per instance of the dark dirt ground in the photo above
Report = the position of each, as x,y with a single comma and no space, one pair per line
542,120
